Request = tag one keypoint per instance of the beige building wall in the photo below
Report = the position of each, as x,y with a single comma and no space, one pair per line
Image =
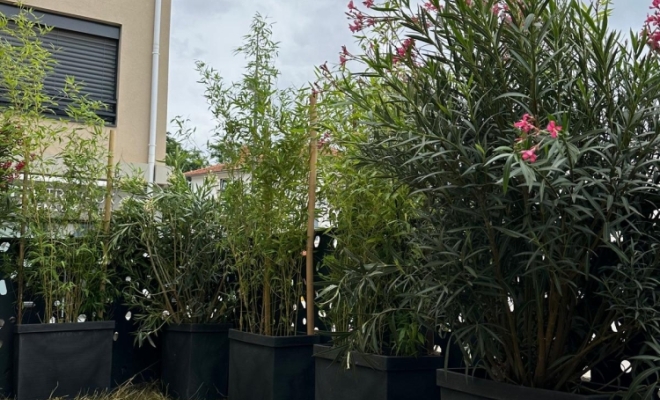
136,19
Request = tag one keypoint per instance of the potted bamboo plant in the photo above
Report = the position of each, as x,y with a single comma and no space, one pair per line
264,145
176,280
383,344
531,129
58,222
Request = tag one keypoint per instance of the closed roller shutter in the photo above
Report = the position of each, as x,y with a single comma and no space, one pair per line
90,58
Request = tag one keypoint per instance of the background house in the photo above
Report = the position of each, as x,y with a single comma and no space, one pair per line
218,172
109,47
221,176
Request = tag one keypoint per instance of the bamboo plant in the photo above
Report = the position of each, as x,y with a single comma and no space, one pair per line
57,197
262,140
370,217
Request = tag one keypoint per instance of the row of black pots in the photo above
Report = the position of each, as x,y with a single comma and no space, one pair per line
64,360
211,361
53,360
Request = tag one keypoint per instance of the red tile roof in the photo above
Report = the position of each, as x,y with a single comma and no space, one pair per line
207,170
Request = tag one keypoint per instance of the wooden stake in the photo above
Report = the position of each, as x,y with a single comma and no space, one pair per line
311,217
21,248
107,213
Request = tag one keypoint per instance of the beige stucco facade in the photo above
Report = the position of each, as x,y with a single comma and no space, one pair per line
136,21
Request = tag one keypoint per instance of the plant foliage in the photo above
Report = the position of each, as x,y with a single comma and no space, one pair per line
542,268
364,298
263,141
57,202
167,246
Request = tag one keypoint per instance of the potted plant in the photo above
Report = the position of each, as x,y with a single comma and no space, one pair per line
167,247
57,219
263,146
383,345
530,127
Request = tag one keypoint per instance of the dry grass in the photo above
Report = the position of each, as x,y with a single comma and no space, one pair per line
126,392
129,392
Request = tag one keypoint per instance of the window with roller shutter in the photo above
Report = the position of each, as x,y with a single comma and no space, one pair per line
86,50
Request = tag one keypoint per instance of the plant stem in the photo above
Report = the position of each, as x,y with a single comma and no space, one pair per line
311,208
106,217
21,251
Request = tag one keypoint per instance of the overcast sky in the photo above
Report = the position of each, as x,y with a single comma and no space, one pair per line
310,32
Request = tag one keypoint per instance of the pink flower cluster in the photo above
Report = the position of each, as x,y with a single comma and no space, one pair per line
12,169
553,129
652,26
403,50
530,155
359,19
430,7
525,124
529,131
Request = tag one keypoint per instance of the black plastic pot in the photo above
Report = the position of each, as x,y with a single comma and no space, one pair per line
195,361
459,386
62,359
271,368
130,362
375,377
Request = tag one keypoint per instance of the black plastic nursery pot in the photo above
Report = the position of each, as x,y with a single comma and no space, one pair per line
195,361
130,362
271,368
375,377
455,385
62,359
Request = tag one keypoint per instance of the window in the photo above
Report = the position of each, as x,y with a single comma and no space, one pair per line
86,50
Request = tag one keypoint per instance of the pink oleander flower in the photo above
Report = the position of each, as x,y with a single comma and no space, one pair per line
343,56
652,20
368,3
403,50
652,26
351,6
407,45
429,6
529,155
524,124
356,26
554,129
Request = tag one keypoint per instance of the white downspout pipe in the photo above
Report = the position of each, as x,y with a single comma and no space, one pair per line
153,118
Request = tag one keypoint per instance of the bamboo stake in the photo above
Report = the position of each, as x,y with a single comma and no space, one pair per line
107,213
23,232
311,208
